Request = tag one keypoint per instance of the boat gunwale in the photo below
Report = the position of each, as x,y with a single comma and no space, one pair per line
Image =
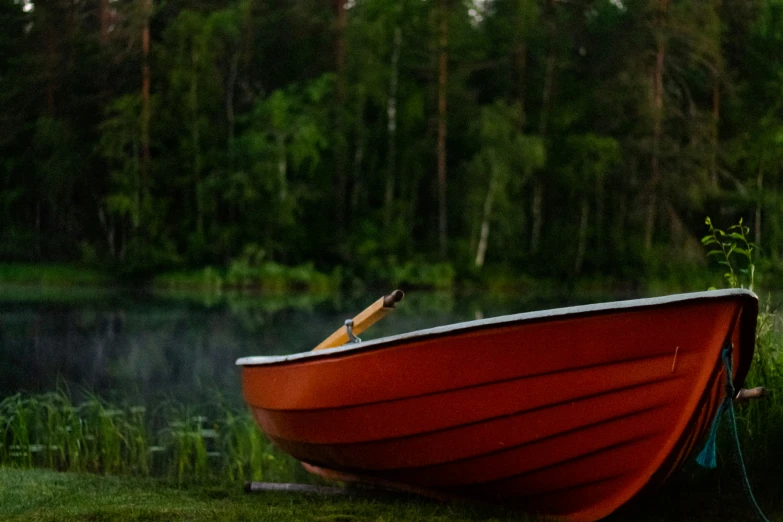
504,320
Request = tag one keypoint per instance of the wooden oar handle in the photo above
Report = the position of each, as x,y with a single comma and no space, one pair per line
365,319
393,298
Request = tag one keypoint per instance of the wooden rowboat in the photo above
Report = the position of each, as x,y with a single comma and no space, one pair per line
568,412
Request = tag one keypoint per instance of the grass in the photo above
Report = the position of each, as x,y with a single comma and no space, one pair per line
51,275
42,495
170,440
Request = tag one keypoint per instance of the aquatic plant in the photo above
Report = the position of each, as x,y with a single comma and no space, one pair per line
170,440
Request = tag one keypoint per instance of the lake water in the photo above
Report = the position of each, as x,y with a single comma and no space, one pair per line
143,347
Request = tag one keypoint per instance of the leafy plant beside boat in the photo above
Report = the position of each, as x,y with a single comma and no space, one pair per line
734,251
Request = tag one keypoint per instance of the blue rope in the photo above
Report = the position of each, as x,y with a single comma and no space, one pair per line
707,458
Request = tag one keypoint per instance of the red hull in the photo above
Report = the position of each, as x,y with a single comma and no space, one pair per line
569,412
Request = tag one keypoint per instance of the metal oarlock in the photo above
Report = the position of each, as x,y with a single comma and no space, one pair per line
349,329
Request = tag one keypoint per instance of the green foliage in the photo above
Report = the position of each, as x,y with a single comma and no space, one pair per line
38,495
119,144
761,420
251,272
733,251
286,133
272,124
764,418
170,440
439,276
505,151
51,275
207,279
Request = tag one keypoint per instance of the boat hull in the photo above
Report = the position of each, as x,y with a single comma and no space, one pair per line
568,413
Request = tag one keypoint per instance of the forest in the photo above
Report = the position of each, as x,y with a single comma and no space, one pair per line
554,138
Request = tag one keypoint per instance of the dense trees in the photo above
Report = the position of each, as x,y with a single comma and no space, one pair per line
592,134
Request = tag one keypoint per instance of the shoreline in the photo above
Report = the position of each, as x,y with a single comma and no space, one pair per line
276,279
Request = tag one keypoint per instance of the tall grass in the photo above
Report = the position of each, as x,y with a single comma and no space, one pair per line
171,440
761,421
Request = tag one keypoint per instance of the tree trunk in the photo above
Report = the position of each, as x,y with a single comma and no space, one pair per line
50,41
358,153
136,216
485,221
72,29
104,21
146,109
195,136
522,66
443,57
657,103
600,195
521,55
108,229
543,128
230,118
282,166
549,81
341,143
582,242
715,126
391,128
249,40
38,228
759,198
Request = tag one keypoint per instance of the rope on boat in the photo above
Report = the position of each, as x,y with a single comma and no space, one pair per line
707,458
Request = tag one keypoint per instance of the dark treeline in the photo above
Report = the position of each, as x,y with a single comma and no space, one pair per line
593,134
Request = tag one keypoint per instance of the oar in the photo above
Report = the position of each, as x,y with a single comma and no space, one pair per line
371,315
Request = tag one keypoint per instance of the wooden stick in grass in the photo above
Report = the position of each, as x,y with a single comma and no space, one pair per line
371,315
744,395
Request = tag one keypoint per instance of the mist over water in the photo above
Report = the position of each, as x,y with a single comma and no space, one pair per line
142,348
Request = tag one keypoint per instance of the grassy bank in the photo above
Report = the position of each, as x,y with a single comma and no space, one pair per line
52,275
44,495
241,277
173,463
170,440
41,495
265,277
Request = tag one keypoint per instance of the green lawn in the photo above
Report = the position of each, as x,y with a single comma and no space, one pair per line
42,495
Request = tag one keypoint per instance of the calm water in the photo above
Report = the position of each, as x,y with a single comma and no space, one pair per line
135,347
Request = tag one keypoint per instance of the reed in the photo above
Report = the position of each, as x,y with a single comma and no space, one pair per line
171,440
760,422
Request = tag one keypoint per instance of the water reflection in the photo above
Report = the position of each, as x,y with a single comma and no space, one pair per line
138,347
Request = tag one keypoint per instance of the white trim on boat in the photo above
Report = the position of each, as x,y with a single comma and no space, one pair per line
501,320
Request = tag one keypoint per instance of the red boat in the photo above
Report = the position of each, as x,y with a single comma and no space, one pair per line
568,412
